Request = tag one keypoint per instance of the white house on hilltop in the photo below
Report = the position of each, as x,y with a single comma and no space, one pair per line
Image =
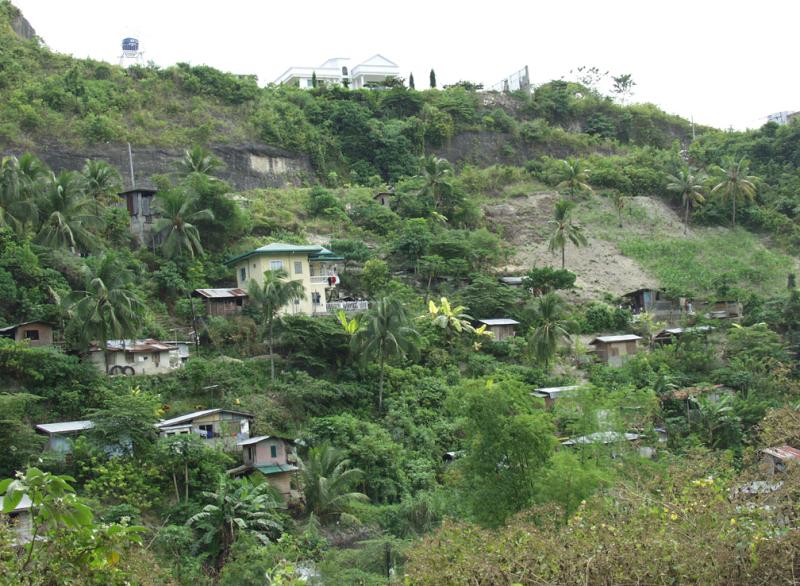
340,71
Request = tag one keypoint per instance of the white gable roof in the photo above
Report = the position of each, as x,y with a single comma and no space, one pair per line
379,61
65,426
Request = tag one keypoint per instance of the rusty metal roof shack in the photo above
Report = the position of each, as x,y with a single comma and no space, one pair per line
783,453
219,293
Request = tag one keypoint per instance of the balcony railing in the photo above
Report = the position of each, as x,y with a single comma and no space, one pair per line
347,306
320,279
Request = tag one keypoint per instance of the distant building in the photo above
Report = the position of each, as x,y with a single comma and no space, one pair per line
340,71
20,519
669,335
314,266
270,456
139,203
512,281
132,357
777,458
220,427
385,198
550,394
60,434
222,302
782,118
615,350
36,333
500,328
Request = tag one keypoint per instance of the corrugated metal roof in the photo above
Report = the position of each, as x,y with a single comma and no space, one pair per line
610,339
221,293
500,321
65,426
146,345
314,251
687,392
195,414
276,468
261,438
25,323
512,280
603,437
550,391
783,453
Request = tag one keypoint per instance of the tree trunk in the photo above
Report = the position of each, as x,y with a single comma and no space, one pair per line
686,217
271,355
734,210
380,384
175,482
563,256
186,480
104,342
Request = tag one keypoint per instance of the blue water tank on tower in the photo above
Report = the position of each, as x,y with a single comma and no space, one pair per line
130,44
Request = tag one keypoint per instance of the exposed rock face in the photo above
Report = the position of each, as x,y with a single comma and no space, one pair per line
22,27
247,166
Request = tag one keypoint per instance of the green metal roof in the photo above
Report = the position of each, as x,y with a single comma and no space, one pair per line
277,468
314,251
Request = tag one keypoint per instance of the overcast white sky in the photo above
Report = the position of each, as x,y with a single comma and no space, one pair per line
725,63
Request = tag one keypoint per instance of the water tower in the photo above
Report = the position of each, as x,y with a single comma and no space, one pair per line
131,53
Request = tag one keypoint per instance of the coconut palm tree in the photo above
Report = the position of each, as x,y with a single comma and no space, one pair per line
198,160
269,298
564,230
385,331
438,175
101,181
551,328
108,307
690,189
17,206
65,216
179,235
576,177
328,482
736,183
235,507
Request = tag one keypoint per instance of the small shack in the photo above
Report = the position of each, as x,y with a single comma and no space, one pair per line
222,302
512,281
20,518
36,333
274,458
141,211
132,357
500,328
777,458
60,434
220,427
550,394
385,198
670,335
723,310
657,304
615,350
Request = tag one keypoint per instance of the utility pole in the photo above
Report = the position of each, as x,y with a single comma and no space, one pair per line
130,161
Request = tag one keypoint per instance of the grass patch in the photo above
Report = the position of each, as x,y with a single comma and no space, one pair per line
695,266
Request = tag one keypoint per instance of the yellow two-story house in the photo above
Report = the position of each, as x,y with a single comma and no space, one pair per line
314,266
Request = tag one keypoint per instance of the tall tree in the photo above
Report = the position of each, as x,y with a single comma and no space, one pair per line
690,189
433,79
550,328
575,176
101,181
386,331
411,81
619,200
108,307
438,176
269,298
178,211
564,230
198,160
314,79
623,86
65,213
234,507
735,184
328,482
20,181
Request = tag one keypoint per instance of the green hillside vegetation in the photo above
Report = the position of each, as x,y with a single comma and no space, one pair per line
423,456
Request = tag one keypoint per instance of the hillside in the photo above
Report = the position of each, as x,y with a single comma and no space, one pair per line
290,356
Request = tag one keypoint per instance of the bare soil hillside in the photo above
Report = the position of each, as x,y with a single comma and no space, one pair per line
600,267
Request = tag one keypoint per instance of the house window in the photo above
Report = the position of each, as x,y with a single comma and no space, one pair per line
32,334
298,267
243,274
239,302
207,431
275,265
344,71
316,298
250,453
273,451
129,357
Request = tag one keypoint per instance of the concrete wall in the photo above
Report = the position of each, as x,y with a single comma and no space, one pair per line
141,362
45,334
